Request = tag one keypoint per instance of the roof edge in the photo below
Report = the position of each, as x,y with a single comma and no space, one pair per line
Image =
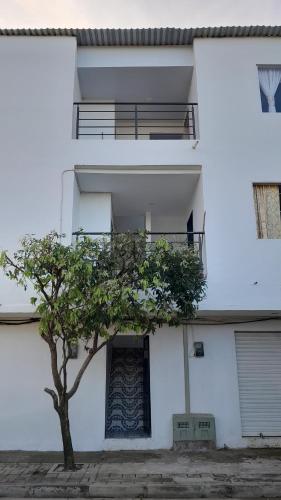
108,37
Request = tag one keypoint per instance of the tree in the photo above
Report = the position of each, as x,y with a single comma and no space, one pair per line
90,291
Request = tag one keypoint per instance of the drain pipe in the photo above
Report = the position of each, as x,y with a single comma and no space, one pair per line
186,370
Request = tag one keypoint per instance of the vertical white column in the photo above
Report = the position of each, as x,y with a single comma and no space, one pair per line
95,212
66,204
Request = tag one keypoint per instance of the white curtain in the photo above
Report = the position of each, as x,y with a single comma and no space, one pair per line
269,81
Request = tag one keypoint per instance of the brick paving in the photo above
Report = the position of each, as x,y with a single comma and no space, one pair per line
159,474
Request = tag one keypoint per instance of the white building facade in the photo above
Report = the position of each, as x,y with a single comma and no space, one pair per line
175,131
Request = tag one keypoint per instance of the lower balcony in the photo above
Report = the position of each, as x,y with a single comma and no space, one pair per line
180,240
162,203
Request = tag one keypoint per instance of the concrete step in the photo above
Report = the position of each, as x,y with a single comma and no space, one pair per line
131,490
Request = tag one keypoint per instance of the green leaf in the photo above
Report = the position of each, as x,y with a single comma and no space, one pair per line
94,286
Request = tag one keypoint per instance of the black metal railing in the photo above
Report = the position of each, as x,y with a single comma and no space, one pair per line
139,120
181,240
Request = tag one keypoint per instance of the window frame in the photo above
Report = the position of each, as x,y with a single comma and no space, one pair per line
263,98
254,185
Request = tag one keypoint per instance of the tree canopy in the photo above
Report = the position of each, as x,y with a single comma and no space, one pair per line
91,290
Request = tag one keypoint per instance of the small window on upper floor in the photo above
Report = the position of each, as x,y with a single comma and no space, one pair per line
268,210
270,88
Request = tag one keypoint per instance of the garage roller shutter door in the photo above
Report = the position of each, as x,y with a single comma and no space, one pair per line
259,377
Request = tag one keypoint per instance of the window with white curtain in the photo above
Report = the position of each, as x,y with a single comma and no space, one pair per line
267,198
270,88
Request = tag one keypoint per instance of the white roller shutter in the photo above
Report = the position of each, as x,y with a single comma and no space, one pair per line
259,377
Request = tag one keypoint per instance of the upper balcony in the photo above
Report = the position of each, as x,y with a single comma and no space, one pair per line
136,120
135,94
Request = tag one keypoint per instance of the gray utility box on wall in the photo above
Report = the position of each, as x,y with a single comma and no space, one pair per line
194,430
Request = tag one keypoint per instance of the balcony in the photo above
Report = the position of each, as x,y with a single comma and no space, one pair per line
180,240
136,120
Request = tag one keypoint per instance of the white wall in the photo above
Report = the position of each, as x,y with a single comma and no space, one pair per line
134,56
36,92
197,206
28,420
168,223
193,98
129,223
214,383
192,95
37,189
136,152
36,95
240,145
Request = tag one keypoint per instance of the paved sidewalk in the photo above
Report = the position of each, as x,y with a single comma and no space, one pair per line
151,474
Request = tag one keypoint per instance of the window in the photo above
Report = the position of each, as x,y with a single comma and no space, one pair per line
268,210
270,88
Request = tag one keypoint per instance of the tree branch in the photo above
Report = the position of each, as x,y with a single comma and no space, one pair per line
54,366
64,364
96,339
21,269
87,361
53,396
107,341
79,376
13,264
65,359
42,289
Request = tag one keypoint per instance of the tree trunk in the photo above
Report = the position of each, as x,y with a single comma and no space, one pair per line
69,461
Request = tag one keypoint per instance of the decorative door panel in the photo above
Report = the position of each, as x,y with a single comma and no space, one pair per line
127,398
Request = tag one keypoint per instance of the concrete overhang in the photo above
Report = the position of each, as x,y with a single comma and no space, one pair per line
135,84
234,316
138,191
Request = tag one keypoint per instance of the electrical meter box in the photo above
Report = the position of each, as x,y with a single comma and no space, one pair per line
194,428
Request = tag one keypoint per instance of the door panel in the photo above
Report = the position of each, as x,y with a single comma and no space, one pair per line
259,376
128,400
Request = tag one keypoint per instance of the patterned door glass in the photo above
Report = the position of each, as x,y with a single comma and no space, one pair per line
126,412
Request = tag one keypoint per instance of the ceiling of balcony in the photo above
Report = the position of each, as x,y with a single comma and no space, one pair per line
134,193
158,84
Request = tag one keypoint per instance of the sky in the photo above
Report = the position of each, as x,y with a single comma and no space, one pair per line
137,13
